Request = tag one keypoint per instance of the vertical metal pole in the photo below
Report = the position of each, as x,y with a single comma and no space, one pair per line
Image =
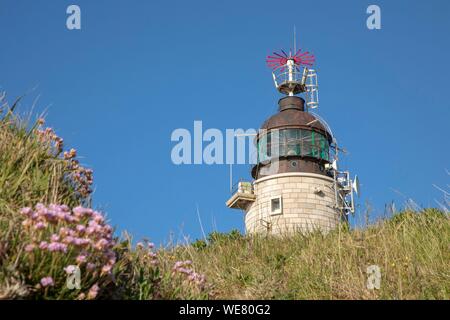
295,41
352,209
336,190
290,65
231,177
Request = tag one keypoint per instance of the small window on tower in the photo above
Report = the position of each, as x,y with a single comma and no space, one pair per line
275,205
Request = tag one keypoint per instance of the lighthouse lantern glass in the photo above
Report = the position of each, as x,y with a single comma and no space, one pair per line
294,142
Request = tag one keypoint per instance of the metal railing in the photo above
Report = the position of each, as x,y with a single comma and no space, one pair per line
242,186
283,75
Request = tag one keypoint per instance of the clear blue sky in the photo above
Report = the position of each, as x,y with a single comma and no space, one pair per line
137,70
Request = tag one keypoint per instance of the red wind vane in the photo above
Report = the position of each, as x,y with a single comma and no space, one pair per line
280,59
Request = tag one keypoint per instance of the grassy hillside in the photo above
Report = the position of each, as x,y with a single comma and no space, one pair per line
47,230
411,250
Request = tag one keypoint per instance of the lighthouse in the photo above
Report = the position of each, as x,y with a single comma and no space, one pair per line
297,185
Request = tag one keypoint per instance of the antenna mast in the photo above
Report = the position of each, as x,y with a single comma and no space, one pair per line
293,74
295,40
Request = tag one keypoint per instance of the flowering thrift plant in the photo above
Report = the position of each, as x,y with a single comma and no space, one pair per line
81,178
58,240
148,273
185,268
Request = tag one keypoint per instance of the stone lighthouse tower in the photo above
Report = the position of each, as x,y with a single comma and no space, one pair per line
297,186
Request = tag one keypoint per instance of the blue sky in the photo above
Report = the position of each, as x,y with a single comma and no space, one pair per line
116,89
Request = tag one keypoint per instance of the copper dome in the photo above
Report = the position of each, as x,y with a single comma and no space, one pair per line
292,115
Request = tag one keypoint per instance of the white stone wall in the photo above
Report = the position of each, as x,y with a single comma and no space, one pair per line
303,209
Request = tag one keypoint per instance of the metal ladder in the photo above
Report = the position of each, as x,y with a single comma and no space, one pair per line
312,88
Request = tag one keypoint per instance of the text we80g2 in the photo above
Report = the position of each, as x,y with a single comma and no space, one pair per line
246,309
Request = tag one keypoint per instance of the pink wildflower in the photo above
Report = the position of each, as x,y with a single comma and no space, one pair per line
106,269
81,259
70,269
26,211
64,208
98,217
68,239
101,244
43,245
39,225
82,241
63,231
93,292
81,212
80,228
81,296
40,207
47,282
30,247
57,246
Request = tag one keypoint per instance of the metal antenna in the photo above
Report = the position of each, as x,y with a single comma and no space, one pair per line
295,41
231,177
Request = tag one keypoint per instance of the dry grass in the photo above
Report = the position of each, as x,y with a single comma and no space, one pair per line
411,249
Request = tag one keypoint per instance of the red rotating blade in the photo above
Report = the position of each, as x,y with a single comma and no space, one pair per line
280,59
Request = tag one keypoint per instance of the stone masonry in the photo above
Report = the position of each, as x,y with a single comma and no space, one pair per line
307,203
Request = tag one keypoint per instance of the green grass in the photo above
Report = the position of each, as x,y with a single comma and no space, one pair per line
31,171
412,249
